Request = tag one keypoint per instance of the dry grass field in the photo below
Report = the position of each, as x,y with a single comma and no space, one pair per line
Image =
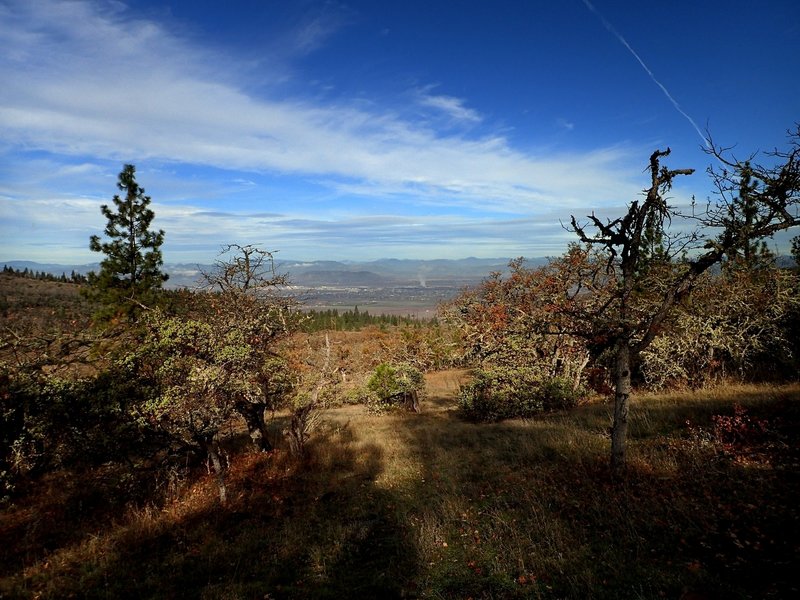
430,506
43,323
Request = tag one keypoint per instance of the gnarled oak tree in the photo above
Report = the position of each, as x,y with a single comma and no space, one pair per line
724,228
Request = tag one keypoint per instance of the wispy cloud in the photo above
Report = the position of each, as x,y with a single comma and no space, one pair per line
317,26
452,107
194,234
565,124
98,83
231,215
89,83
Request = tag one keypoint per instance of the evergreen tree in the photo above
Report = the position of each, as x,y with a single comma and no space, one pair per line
752,253
130,274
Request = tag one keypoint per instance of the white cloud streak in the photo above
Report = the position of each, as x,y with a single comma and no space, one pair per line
565,124
316,27
195,234
611,29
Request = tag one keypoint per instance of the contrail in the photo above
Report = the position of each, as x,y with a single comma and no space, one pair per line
625,43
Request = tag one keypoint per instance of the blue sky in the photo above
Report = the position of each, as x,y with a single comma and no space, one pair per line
361,130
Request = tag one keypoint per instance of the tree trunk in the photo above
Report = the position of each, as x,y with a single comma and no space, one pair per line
576,382
622,394
219,470
253,415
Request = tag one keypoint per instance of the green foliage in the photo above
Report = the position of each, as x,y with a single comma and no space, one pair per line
48,422
355,395
392,386
130,273
352,320
44,276
216,359
173,380
390,381
383,382
202,370
505,393
277,381
743,211
558,393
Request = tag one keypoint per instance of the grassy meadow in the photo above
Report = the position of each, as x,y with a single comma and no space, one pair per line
430,506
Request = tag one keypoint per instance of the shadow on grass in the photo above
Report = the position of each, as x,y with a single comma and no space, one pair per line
431,506
63,508
319,529
528,509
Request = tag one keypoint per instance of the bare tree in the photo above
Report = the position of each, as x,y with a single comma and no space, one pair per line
628,326
244,269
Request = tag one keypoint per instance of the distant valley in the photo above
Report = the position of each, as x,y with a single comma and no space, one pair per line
387,286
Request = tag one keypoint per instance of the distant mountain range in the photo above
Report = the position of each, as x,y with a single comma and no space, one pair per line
384,273
325,273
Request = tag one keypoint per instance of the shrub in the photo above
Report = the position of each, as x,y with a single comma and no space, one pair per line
48,423
355,395
738,323
391,384
505,393
740,433
559,393
376,406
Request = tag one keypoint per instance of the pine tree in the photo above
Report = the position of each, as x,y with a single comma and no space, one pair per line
130,274
743,214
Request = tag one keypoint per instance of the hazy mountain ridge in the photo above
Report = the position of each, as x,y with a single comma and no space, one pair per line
383,273
52,268
323,273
